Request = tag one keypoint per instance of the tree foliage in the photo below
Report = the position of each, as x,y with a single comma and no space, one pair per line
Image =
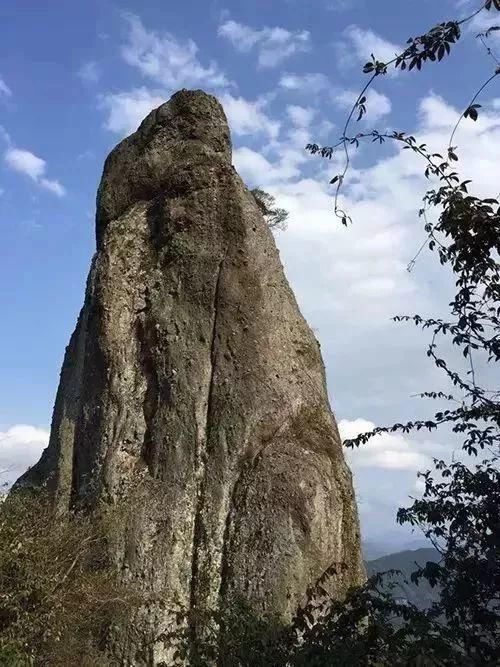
276,218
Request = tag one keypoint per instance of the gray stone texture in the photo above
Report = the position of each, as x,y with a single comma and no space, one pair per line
193,392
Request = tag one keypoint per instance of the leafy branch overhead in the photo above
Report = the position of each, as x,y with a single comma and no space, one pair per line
431,46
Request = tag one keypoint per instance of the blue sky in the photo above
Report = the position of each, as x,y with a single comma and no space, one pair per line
77,77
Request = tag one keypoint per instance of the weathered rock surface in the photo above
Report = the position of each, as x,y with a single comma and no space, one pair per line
193,391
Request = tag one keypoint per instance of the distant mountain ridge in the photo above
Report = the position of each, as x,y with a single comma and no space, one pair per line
391,544
421,595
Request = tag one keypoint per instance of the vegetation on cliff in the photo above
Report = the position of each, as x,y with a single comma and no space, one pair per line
59,594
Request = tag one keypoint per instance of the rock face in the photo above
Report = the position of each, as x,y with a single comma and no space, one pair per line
193,391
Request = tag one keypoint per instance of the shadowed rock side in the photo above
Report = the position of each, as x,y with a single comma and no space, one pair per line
193,392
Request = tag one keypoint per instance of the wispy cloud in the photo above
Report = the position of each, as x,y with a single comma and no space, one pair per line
5,136
5,91
27,163
300,116
89,72
274,45
248,117
362,43
126,110
168,60
306,83
53,186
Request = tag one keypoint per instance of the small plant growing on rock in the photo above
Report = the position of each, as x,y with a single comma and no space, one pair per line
276,218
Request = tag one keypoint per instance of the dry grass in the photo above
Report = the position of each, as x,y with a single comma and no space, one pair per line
58,592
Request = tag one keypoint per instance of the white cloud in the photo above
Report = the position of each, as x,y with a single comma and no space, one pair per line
53,186
246,117
241,36
126,110
387,450
274,45
27,163
300,116
355,276
478,142
377,104
257,170
385,477
5,91
363,43
280,161
89,72
20,447
306,83
165,59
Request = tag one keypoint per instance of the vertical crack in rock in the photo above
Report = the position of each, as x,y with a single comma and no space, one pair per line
199,538
151,393
193,392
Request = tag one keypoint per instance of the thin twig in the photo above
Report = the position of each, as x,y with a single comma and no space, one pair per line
485,84
489,51
344,140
